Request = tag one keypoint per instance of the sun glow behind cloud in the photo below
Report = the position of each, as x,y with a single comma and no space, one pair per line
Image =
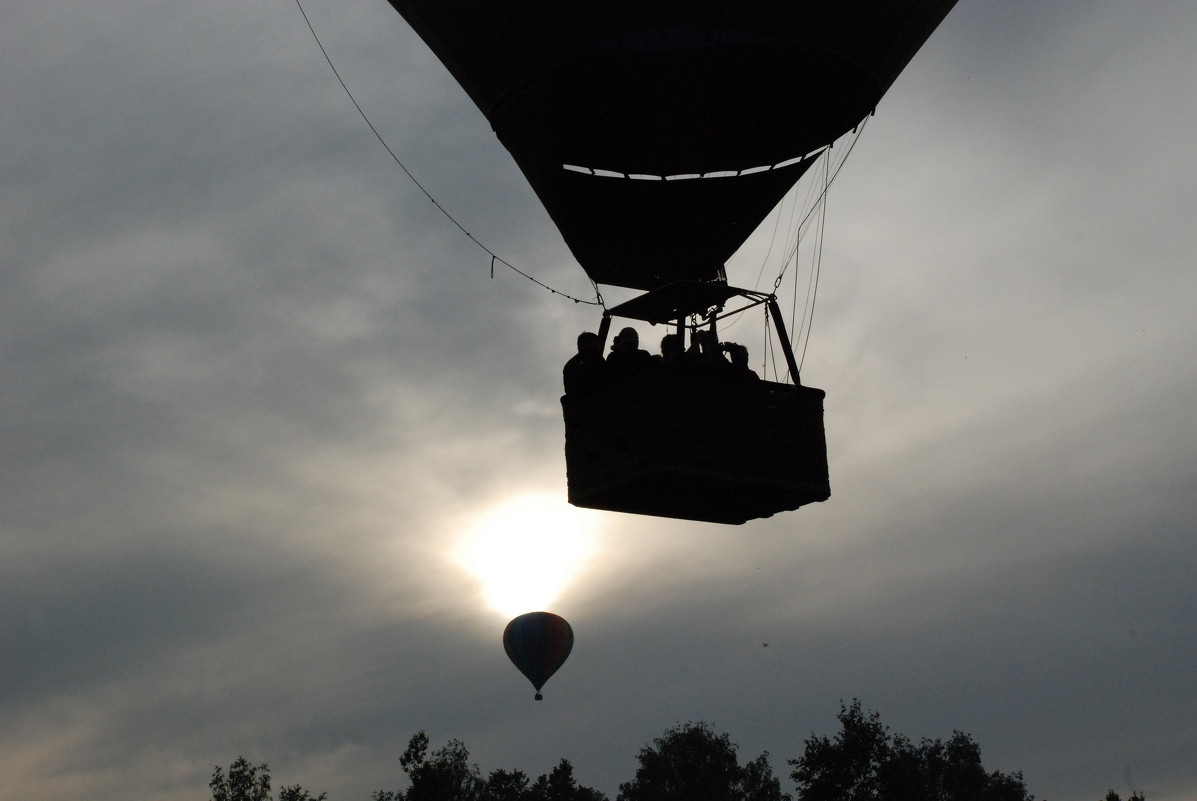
526,551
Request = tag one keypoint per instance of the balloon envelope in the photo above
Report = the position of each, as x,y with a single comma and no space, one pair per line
659,134
538,643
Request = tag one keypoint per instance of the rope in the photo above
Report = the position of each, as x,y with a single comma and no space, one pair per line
812,203
769,355
818,262
826,188
819,204
493,256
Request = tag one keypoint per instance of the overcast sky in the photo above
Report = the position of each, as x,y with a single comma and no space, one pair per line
264,411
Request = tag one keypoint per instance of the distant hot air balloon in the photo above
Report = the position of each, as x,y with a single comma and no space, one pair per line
538,643
658,135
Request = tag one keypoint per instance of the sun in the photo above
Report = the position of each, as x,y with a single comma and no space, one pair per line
526,551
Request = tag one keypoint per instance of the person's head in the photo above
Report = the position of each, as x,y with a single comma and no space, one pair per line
627,339
588,342
671,345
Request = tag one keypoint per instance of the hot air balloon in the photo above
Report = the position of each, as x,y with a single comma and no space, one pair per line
658,135
538,643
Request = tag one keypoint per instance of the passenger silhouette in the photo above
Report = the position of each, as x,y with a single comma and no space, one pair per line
672,352
626,357
584,371
739,368
704,353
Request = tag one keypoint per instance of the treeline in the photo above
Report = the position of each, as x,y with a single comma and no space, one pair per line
691,762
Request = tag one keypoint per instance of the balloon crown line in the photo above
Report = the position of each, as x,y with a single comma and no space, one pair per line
689,176
494,257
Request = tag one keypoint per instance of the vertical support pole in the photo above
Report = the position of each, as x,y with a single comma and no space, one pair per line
604,328
780,326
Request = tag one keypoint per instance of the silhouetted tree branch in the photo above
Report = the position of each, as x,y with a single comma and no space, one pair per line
444,775
244,782
297,793
248,782
865,763
447,775
502,785
1113,796
692,763
559,785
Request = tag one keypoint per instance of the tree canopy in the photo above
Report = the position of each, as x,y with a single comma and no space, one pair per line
447,775
694,762
248,782
691,762
865,763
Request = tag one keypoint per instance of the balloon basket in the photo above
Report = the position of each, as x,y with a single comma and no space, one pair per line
695,447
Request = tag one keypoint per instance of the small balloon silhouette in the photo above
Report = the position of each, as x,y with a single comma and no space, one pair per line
538,643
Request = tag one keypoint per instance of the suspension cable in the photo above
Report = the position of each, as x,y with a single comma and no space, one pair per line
494,257
818,262
802,331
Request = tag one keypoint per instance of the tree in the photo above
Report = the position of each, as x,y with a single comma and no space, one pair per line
297,793
559,785
444,775
865,763
692,763
848,768
953,770
248,782
502,785
447,775
758,783
244,782
1113,796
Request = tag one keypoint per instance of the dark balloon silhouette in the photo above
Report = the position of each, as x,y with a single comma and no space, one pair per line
538,643
658,135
